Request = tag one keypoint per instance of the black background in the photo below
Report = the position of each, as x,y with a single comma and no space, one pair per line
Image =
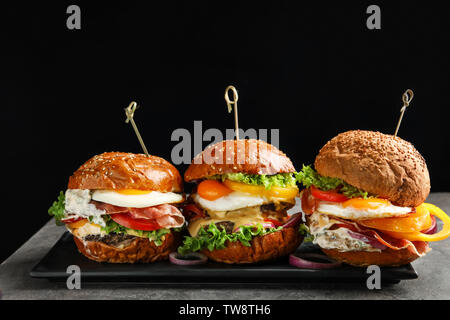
311,70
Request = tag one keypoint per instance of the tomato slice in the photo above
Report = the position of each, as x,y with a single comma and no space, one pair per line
124,219
275,222
212,190
68,221
331,195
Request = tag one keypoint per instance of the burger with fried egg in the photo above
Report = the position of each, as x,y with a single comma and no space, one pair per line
365,200
123,208
237,212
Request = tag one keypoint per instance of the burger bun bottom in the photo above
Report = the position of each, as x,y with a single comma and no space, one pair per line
139,250
263,248
385,258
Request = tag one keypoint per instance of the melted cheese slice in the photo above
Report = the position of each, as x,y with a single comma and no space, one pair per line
239,217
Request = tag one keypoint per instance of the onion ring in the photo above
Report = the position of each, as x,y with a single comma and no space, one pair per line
433,228
293,220
302,263
189,259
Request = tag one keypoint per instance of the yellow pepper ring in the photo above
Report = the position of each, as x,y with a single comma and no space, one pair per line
277,192
419,236
413,222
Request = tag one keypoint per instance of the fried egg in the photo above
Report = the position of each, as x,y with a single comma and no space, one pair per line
233,201
135,198
359,209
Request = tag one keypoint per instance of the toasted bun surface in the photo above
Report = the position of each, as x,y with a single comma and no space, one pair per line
247,156
119,170
263,248
140,250
385,258
380,164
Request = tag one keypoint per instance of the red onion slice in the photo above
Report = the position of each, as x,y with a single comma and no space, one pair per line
293,220
189,259
433,228
369,240
302,263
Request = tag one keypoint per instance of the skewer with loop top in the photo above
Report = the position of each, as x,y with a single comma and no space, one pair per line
129,111
406,98
230,104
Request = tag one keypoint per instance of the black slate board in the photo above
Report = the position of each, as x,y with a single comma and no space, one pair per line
64,253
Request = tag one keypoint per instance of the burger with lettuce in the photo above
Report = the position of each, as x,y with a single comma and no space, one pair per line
365,200
123,208
237,212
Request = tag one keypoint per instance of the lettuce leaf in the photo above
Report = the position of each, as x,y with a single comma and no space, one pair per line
156,235
57,209
304,230
309,177
212,238
268,181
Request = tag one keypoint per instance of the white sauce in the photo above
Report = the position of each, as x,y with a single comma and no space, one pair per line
338,239
77,203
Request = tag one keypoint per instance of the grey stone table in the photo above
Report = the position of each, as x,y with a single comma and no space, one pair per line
15,282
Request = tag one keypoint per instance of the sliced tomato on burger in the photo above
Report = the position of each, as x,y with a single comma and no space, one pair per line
126,220
276,223
332,195
72,220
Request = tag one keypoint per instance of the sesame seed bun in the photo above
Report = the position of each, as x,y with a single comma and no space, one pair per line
246,156
119,170
381,164
263,248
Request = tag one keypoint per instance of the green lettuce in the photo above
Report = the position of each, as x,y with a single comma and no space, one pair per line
309,177
57,209
304,230
212,238
156,235
268,181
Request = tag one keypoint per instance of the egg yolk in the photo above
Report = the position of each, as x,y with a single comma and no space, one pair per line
132,191
212,190
359,203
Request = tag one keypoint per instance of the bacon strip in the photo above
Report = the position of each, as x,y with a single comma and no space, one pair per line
165,215
419,248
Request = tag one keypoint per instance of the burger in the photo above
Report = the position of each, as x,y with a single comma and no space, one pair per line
237,212
365,200
123,208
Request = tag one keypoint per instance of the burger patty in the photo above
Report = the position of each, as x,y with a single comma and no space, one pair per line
276,207
227,225
112,239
